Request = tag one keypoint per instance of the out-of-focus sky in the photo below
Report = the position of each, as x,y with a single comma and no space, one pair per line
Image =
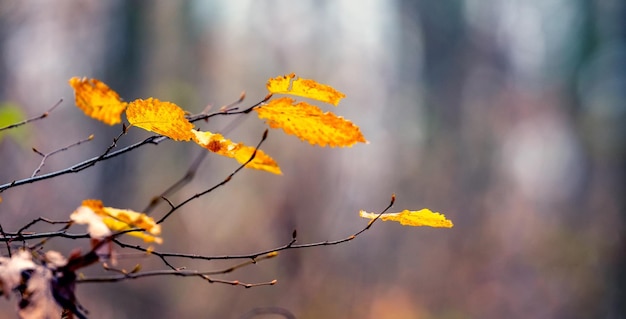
505,115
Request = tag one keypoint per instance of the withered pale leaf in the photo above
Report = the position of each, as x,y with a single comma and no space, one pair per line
96,227
37,299
124,219
11,269
309,123
97,100
216,143
286,84
423,217
164,118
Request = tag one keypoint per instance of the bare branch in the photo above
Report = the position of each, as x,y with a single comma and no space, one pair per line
42,219
44,115
155,139
45,156
193,168
125,275
9,237
189,175
4,235
222,183
231,106
253,256
160,273
82,165
229,111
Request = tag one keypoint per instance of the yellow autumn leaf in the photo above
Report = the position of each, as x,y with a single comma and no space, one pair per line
303,87
216,143
164,118
97,100
309,123
423,217
124,219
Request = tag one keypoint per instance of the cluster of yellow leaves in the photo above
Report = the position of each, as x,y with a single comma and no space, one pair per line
101,221
168,119
307,121
423,217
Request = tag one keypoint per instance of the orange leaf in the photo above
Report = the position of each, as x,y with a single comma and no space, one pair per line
309,123
164,118
116,220
305,88
97,100
423,217
216,143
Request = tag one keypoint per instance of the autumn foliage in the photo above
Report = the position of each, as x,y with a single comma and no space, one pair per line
41,293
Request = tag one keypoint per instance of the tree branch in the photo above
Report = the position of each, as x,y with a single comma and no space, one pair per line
288,246
44,115
185,273
156,139
222,183
45,156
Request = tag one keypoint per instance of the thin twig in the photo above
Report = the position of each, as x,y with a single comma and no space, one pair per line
45,156
45,240
229,111
222,183
4,235
84,164
290,245
14,236
193,168
189,175
44,220
160,273
125,275
39,117
231,106
155,139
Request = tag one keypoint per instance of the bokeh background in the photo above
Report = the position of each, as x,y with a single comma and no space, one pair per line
506,115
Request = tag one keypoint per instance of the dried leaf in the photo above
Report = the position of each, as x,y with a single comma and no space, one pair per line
304,87
11,271
97,100
37,299
216,143
123,219
33,282
164,118
96,227
309,123
423,217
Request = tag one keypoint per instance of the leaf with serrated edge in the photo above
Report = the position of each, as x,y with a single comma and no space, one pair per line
309,123
305,88
164,118
97,100
216,143
423,217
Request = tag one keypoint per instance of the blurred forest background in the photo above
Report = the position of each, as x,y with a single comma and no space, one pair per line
506,115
